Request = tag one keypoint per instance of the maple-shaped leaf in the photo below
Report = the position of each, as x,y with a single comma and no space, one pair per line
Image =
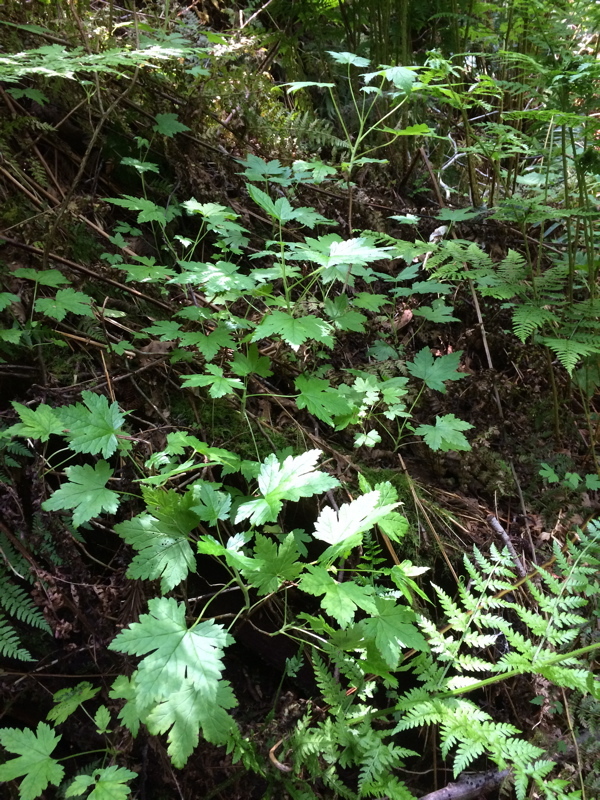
173,652
251,363
209,345
218,384
187,710
370,302
349,58
434,371
168,125
340,600
369,439
140,166
356,252
310,217
321,399
296,477
351,519
66,301
438,311
110,783
343,316
93,427
40,423
273,565
220,219
211,504
446,434
68,700
164,329
257,169
85,492
34,760
294,331
392,629
163,548
221,280
295,86
147,272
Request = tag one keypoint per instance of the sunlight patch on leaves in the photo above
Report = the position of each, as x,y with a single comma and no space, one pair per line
173,652
296,477
352,519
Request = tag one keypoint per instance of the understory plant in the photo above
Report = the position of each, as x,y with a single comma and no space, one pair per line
370,621
260,312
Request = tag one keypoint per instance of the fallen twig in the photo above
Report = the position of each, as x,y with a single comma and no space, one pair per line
469,787
495,526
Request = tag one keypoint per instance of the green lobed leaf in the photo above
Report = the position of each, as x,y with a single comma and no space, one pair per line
273,565
184,711
218,384
318,397
251,363
68,700
446,434
294,331
39,423
340,600
392,628
93,427
168,125
45,277
162,542
173,652
66,301
7,298
434,371
85,492
110,783
34,759
213,505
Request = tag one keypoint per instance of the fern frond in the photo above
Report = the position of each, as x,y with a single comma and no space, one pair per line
570,351
17,603
332,692
10,644
529,318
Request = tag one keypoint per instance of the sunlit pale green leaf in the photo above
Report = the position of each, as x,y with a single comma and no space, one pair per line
85,492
